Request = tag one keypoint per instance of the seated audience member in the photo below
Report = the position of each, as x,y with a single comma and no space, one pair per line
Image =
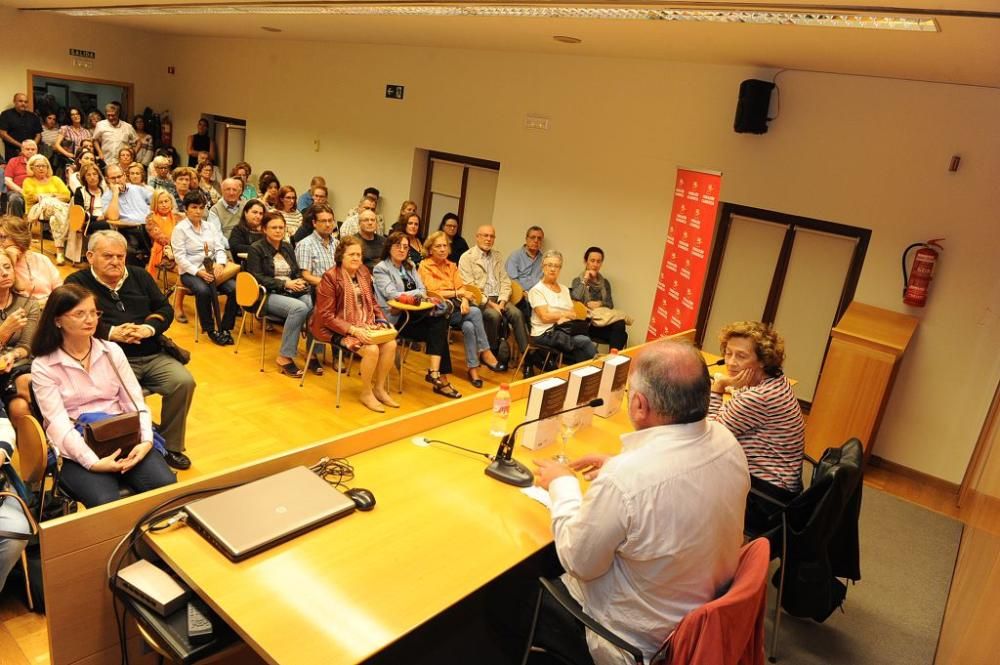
406,209
128,203
552,306
315,253
482,266
206,182
14,175
411,227
440,276
112,134
161,175
307,198
143,143
126,158
90,196
347,310
160,225
136,314
83,158
18,322
226,211
92,146
74,374
34,274
200,252
247,230
525,264
320,197
135,175
395,276
47,197
272,262
269,188
763,413
630,568
185,180
17,125
352,223
242,172
594,291
286,206
372,244
12,517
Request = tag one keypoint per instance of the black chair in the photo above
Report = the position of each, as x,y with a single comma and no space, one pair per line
815,537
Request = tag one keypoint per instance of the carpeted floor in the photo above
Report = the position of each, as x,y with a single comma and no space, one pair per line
893,615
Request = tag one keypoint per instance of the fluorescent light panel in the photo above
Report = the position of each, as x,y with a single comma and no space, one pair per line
746,17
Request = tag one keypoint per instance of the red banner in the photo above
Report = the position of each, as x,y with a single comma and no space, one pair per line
685,256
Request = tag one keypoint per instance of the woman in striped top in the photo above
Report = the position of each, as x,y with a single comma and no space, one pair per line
763,413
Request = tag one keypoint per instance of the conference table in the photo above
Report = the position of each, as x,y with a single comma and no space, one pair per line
441,530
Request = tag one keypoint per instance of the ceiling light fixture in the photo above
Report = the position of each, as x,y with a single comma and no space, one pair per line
734,16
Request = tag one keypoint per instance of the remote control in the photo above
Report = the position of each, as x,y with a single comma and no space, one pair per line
199,626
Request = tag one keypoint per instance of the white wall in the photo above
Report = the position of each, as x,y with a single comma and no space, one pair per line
865,152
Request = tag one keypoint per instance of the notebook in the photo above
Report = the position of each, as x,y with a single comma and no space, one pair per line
251,518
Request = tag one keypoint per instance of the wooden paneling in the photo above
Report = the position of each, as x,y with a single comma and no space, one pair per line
971,630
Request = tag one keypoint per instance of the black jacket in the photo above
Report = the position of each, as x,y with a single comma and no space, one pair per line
260,264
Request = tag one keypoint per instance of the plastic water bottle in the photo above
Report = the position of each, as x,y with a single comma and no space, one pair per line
501,411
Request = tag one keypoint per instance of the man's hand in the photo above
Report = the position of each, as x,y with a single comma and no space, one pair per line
549,470
135,456
206,276
130,333
494,305
590,465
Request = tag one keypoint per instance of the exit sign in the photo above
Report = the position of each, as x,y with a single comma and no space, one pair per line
393,91
77,53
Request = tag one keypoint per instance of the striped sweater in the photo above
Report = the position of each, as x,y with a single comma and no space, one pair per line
767,421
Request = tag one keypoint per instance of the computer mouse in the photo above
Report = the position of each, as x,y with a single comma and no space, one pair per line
362,498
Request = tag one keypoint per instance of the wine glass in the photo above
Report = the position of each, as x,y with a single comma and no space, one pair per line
568,424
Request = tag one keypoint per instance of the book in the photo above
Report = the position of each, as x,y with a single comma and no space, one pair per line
614,377
546,398
583,385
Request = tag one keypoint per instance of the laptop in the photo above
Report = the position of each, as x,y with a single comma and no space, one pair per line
261,514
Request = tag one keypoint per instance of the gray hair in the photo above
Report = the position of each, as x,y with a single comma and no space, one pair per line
235,181
673,377
553,254
27,141
161,160
97,237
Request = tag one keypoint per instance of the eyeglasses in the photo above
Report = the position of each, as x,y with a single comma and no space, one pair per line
119,304
84,316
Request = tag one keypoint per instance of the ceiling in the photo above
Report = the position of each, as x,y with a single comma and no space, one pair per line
965,51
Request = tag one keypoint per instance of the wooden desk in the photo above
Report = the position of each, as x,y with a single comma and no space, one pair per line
349,589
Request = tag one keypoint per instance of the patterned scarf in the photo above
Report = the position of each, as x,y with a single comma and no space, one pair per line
368,302
597,287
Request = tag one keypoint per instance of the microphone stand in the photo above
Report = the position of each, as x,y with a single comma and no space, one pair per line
508,470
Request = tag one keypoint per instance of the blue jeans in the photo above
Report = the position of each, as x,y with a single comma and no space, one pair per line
294,310
473,332
92,488
11,519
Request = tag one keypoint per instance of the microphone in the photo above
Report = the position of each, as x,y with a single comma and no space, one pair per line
720,361
508,470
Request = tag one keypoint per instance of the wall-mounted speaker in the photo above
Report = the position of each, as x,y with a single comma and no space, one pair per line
751,109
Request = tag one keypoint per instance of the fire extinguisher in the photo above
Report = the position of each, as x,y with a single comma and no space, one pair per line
915,289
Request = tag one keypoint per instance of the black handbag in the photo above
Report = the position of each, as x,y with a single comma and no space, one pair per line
172,349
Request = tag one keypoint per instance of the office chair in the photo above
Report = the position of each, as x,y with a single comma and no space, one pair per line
818,529
728,629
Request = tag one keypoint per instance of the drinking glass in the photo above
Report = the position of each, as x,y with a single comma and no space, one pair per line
568,424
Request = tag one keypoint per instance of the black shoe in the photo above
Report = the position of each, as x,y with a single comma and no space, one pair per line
177,460
217,338
529,371
229,337
500,367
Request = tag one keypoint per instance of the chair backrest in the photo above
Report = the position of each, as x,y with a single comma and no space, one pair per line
248,290
32,450
516,292
580,309
729,629
477,294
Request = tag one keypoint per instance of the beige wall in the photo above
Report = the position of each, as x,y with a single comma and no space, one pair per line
866,152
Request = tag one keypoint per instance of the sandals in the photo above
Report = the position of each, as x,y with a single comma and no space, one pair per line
290,369
441,385
180,317
316,367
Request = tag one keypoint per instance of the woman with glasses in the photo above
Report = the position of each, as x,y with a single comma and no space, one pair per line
73,374
410,225
34,274
135,174
441,277
47,197
206,182
287,199
551,307
185,180
18,322
396,277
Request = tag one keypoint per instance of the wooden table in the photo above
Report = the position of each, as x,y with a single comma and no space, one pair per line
441,530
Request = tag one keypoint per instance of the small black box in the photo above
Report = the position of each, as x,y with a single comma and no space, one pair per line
751,109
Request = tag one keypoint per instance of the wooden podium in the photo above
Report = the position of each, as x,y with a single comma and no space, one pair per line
866,346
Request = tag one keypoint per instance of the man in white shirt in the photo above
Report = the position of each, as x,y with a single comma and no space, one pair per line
659,530
113,133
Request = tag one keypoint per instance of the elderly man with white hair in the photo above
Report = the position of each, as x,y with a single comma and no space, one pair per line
136,314
227,210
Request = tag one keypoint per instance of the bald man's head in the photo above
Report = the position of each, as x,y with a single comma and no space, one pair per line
674,379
